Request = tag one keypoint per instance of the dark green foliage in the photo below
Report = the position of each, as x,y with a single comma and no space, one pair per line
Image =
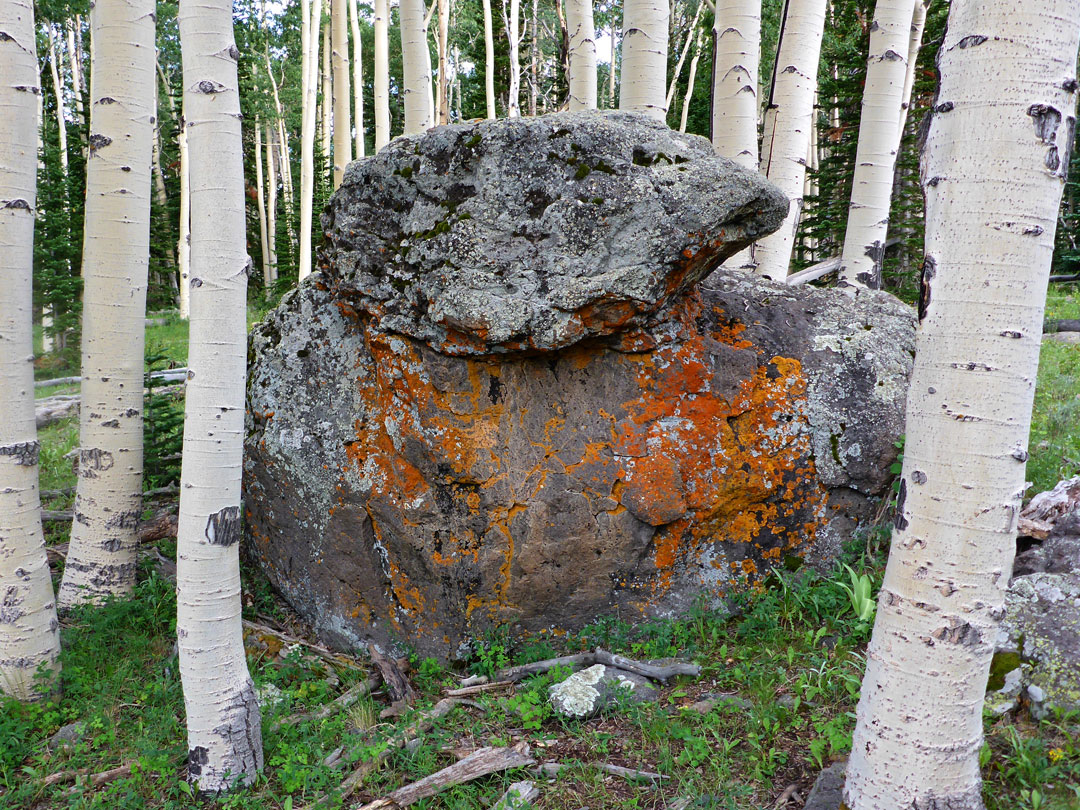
163,429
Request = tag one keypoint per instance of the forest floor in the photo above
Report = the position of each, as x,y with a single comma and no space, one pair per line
786,663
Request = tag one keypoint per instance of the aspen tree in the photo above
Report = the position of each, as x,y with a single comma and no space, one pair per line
58,97
271,207
875,156
260,201
534,48
183,248
918,24
691,32
326,104
611,70
75,66
582,79
690,82
342,90
307,146
381,79
357,79
489,60
416,61
511,21
223,724
443,43
644,57
789,116
29,633
993,172
736,62
116,253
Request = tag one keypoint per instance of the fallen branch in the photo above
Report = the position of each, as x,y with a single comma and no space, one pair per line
814,271
397,685
331,657
480,763
163,524
342,702
171,375
659,672
517,796
477,689
1061,325
537,667
551,769
1068,277
96,779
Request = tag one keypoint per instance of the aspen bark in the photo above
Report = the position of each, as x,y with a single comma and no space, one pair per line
357,78
307,146
690,83
58,91
582,78
342,90
789,117
875,156
183,247
918,24
511,20
534,47
644,57
993,172
29,633
116,251
264,231
611,71
326,104
690,36
75,66
489,60
381,78
736,63
223,723
443,101
416,61
271,208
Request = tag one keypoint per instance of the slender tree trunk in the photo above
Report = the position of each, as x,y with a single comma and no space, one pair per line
918,23
381,78
183,247
511,21
271,209
58,90
75,66
264,230
224,739
416,60
614,53
29,633
994,167
489,60
443,101
690,37
358,78
116,251
161,195
875,157
789,117
326,105
582,52
342,90
736,63
534,46
307,147
690,82
644,57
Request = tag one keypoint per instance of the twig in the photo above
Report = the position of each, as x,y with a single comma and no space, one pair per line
790,792
96,779
331,657
550,769
478,688
480,763
343,701
525,670
659,672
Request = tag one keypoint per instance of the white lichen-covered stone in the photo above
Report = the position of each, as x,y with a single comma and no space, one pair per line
596,688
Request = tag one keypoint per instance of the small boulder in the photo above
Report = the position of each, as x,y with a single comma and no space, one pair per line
828,790
67,736
597,688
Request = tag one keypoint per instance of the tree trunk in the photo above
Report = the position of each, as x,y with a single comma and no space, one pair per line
690,83
342,90
644,57
75,65
264,230
582,78
381,78
58,90
511,21
443,44
534,62
489,60
994,166
357,79
224,740
307,146
416,60
611,72
29,634
736,62
326,106
116,253
918,23
788,119
875,157
690,32
271,208
183,247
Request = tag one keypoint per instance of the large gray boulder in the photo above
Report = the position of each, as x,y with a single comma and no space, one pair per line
631,441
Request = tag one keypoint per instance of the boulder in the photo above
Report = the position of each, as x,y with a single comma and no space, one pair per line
596,688
418,469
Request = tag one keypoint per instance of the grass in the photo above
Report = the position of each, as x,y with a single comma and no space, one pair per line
1055,420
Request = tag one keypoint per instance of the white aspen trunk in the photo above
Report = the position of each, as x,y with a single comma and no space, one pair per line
534,76
159,189
788,120
29,633
511,20
264,230
489,60
58,90
690,36
736,63
416,60
690,83
611,72
271,208
287,189
875,156
431,72
307,146
47,343
993,172
342,90
442,102
223,723
327,105
116,251
381,78
75,66
582,78
644,57
918,23
357,78
183,247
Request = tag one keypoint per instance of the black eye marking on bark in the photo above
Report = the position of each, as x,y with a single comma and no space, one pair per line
26,454
1047,119
234,52
926,279
901,522
1034,230
18,204
210,87
106,100
223,527
1059,164
1020,454
24,88
918,477
99,142
790,69
93,460
1012,333
891,56
971,41
196,758
944,107
958,632
1070,85
196,282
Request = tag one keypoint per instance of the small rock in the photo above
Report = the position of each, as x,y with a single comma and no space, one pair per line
828,790
1004,700
67,736
598,687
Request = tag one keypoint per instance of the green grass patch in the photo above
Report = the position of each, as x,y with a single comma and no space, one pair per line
1055,435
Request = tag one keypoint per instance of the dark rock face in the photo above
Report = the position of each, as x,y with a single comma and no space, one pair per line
414,478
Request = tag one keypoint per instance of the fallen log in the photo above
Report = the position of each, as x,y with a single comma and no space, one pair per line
552,769
659,672
95,780
517,796
53,409
1053,325
169,375
480,763
477,688
815,271
397,685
